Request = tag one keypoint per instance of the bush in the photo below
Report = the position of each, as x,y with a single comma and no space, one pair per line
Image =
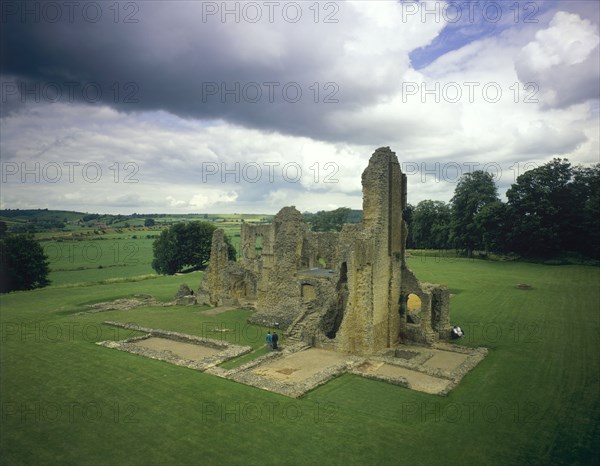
23,264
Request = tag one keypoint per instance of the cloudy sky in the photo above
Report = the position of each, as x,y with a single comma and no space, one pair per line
246,107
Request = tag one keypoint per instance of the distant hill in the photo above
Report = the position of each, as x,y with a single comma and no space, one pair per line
18,215
40,220
37,220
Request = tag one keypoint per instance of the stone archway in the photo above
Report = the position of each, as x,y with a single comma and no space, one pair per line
308,292
414,309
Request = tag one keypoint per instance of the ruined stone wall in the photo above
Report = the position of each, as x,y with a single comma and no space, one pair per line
434,321
440,308
317,309
212,284
374,260
226,283
279,296
355,331
321,246
256,241
361,306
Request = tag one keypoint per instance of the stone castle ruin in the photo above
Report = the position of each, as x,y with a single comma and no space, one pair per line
349,291
347,303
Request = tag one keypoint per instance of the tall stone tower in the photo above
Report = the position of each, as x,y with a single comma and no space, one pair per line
374,259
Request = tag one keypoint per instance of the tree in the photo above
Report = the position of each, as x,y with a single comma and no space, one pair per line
332,220
149,222
554,208
493,221
407,215
23,264
185,245
586,198
536,201
430,225
473,192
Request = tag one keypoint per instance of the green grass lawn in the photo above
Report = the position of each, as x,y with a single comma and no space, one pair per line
99,259
93,258
533,400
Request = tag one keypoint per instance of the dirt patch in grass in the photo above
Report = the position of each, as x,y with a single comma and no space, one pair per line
300,366
123,304
183,350
436,369
524,286
446,360
416,380
215,311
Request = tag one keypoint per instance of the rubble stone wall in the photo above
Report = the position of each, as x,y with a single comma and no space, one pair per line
346,291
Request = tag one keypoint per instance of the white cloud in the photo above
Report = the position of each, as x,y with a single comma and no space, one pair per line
569,40
564,60
156,161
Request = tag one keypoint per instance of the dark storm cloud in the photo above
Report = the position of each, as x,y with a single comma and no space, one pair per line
280,76
161,108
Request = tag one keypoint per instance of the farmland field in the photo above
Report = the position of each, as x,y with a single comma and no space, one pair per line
533,400
90,255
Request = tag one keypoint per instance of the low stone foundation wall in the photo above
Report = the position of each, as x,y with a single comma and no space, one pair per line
424,362
299,368
254,373
226,351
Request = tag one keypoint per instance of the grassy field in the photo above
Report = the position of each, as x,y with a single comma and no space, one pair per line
99,258
95,248
89,257
533,400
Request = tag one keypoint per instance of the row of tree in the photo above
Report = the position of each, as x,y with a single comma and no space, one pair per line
332,220
549,210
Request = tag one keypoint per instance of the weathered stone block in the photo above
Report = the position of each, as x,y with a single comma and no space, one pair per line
186,300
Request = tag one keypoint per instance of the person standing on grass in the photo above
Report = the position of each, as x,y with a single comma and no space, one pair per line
275,339
269,341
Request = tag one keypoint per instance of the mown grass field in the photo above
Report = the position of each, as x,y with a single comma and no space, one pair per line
533,400
91,256
95,259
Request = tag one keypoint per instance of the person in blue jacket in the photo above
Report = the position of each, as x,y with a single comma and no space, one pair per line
269,341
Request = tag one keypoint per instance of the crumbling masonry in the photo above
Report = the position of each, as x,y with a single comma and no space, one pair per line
346,291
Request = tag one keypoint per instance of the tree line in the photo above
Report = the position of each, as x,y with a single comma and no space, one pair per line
551,209
332,220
